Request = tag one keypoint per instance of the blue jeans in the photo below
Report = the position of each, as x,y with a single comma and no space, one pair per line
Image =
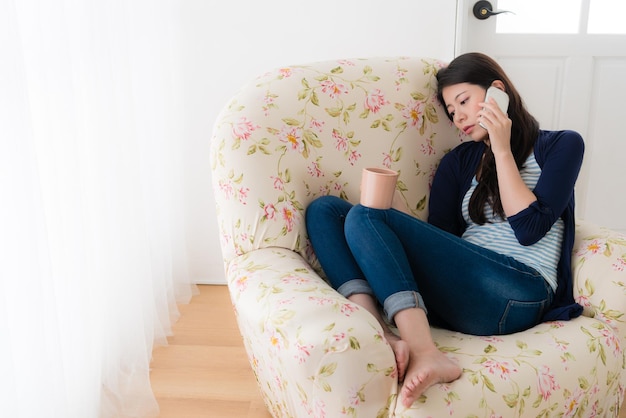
405,263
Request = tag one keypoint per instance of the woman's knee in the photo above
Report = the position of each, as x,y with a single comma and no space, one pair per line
358,213
326,203
325,208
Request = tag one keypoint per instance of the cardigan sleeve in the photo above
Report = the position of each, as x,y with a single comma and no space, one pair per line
560,155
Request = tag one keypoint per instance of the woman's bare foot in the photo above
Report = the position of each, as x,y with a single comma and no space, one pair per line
426,369
400,347
401,351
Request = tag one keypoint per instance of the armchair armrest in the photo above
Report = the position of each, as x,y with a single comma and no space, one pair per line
314,353
599,268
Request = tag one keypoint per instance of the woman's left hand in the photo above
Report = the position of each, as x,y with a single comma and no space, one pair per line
498,126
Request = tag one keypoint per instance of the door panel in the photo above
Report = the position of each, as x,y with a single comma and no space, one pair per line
568,81
606,170
543,74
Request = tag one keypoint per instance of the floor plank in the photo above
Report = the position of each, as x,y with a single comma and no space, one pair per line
204,371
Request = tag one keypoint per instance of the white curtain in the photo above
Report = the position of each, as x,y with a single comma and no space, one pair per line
92,249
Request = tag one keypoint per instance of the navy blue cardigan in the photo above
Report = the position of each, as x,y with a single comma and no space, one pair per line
560,155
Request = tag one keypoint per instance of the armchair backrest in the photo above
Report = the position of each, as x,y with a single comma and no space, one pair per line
296,133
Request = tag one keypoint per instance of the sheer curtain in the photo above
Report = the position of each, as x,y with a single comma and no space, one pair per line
92,249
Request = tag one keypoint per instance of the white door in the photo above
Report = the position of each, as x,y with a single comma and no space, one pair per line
568,60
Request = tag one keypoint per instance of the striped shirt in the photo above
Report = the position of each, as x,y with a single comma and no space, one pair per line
497,234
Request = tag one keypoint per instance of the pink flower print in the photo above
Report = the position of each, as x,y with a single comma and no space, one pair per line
595,408
501,369
431,176
255,362
348,309
320,408
560,345
592,248
302,352
386,160
275,340
317,124
289,216
277,378
321,301
278,183
583,300
354,157
284,302
596,247
268,99
413,113
310,254
427,148
285,72
270,211
400,78
314,170
227,189
339,337
620,264
226,238
572,403
354,395
293,279
611,341
546,382
306,407
241,283
346,63
375,100
333,89
341,142
243,128
242,195
292,136
601,315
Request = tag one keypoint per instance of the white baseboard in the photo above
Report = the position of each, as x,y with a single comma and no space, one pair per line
209,280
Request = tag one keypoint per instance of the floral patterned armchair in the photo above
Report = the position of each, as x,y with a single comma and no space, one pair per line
300,132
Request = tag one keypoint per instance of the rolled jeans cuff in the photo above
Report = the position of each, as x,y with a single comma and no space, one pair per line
355,286
402,300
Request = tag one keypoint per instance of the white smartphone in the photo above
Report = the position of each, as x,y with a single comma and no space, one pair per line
502,99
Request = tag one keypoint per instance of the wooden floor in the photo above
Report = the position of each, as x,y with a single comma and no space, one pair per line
204,371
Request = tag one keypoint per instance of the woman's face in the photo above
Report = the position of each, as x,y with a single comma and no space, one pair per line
462,101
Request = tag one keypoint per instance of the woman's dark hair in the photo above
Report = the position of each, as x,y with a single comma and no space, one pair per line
479,69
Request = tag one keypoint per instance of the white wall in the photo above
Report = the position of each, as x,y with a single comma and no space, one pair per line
230,42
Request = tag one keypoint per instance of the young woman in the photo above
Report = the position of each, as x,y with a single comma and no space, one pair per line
494,256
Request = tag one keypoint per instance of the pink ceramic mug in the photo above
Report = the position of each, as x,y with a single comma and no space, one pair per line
377,187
